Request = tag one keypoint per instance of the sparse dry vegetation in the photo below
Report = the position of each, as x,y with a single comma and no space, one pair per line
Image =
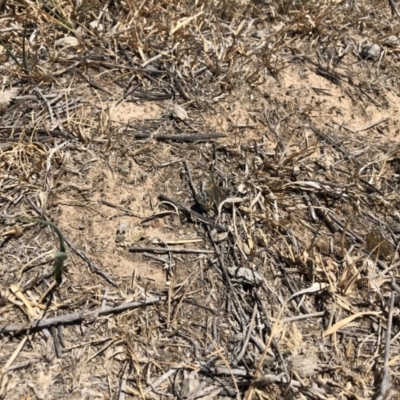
281,118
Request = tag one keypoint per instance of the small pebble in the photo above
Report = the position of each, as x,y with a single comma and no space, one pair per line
371,52
391,41
122,228
179,113
260,34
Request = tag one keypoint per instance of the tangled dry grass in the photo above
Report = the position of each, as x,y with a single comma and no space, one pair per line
280,281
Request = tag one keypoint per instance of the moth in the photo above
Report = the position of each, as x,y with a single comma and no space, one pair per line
212,196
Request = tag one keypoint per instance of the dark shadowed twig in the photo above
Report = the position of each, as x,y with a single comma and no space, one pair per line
202,218
385,383
394,9
181,138
248,335
77,317
135,249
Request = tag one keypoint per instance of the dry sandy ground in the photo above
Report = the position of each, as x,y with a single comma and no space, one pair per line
309,125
